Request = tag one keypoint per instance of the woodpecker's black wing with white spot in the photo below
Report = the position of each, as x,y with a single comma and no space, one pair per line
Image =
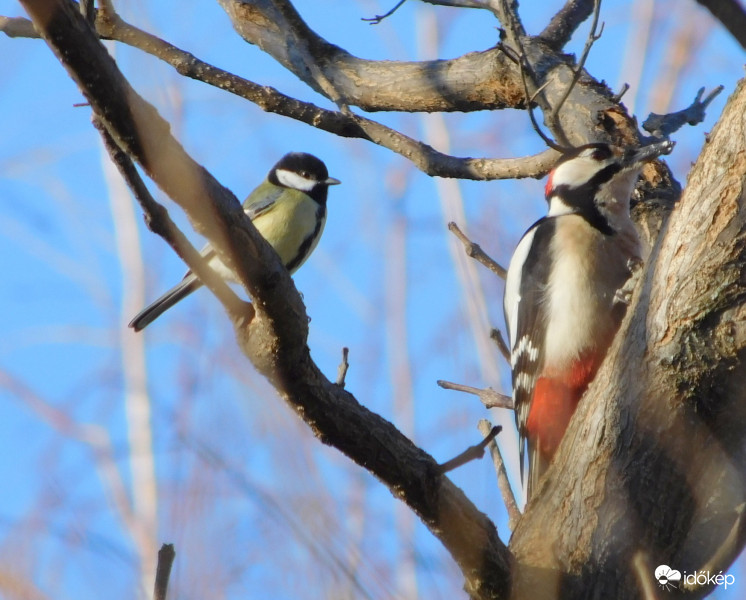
525,317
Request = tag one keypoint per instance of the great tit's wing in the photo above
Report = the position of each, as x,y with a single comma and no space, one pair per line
262,199
259,202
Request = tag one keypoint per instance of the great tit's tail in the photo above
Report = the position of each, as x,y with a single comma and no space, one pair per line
150,313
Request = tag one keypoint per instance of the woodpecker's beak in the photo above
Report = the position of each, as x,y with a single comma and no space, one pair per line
647,153
331,181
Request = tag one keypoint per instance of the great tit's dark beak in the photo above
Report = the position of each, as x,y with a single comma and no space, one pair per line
331,181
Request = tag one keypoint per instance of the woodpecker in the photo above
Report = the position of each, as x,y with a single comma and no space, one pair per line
562,290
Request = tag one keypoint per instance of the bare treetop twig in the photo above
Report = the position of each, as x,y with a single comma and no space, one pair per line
450,3
665,125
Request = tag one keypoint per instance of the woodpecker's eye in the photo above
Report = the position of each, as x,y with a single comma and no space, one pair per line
601,154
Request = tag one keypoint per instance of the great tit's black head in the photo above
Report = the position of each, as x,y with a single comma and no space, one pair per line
304,172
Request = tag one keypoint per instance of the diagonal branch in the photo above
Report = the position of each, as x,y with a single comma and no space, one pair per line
276,339
159,222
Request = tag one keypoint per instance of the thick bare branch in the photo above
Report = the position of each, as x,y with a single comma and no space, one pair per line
731,14
507,13
461,84
565,23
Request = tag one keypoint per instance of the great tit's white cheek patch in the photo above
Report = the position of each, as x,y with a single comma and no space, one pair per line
295,181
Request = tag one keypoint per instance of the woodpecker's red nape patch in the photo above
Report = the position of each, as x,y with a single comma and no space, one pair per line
548,185
556,396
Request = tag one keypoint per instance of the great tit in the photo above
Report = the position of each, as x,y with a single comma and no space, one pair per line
288,209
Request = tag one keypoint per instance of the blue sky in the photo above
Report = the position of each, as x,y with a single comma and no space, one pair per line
275,494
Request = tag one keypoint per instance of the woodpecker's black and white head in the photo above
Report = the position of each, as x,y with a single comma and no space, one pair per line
597,180
303,172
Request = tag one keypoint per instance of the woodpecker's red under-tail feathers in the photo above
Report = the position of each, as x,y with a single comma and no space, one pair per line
556,396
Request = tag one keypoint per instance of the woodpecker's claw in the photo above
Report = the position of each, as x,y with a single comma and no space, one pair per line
634,264
624,294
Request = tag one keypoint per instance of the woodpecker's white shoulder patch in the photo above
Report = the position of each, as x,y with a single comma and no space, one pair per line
512,296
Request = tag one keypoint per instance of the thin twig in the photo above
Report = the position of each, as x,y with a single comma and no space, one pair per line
343,366
618,96
497,337
471,453
489,397
451,3
514,33
166,557
590,40
525,67
665,125
475,251
378,18
514,513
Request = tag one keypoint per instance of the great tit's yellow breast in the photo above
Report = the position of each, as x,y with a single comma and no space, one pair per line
289,222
